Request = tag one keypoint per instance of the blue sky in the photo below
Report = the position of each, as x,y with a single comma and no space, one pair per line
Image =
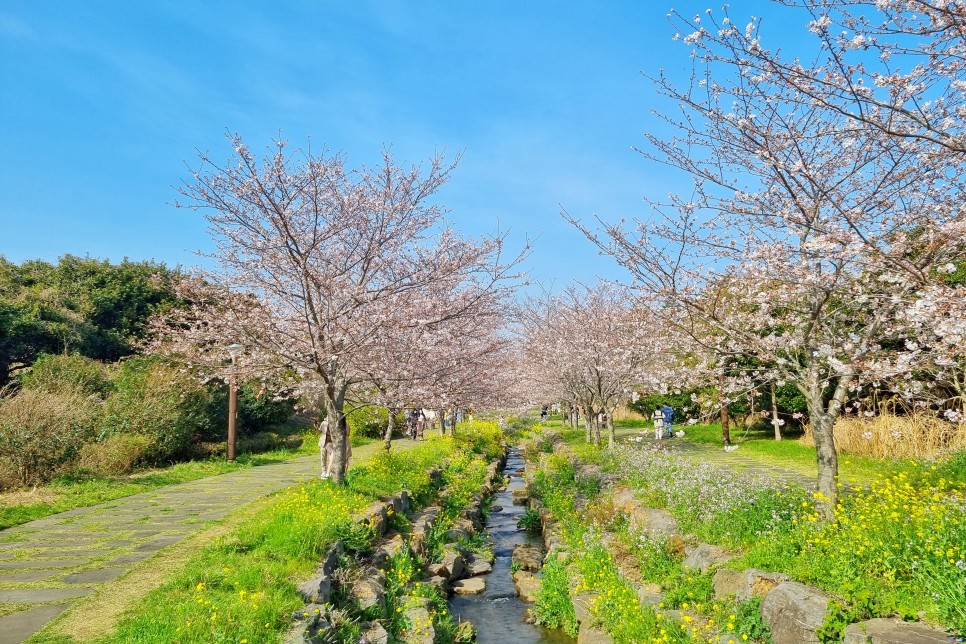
103,103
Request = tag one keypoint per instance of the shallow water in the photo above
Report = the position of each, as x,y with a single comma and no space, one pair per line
498,612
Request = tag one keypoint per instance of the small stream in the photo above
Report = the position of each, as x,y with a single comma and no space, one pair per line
498,612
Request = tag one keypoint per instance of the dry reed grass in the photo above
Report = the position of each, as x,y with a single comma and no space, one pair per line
626,413
889,436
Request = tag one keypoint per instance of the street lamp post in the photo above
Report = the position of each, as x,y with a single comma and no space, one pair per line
234,351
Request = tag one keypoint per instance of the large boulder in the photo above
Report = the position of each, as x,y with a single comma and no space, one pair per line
421,526
387,550
369,593
527,557
374,633
589,634
471,586
705,557
727,582
420,629
527,585
452,564
316,590
892,631
656,524
477,566
758,583
794,612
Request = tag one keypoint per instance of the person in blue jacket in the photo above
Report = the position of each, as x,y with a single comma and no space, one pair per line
668,412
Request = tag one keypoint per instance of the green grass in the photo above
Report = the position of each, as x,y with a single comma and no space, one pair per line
761,445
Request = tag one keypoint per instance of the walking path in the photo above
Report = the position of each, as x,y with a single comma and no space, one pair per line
48,563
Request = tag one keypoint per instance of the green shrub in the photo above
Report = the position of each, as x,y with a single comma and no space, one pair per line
369,421
529,521
117,454
156,400
67,373
40,431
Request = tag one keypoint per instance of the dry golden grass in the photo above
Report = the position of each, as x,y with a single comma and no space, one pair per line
626,413
27,497
888,436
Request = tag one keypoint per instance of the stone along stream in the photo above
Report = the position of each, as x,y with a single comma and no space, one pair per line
498,613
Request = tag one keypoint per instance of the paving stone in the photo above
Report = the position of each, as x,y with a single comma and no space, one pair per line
54,552
133,558
30,575
98,576
40,595
17,627
159,543
42,563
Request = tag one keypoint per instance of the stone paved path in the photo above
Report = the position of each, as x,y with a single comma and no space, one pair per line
47,563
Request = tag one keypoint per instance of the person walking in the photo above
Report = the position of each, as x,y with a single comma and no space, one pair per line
658,417
667,412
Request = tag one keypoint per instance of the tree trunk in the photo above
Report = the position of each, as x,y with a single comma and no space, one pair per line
723,401
822,421
610,430
774,413
339,427
387,439
441,414
452,423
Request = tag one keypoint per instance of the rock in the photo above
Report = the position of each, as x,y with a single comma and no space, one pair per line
650,595
369,593
527,557
374,633
331,560
794,612
420,630
388,550
656,524
316,590
591,635
474,518
375,517
471,586
462,530
496,508
439,582
582,603
891,631
758,583
478,567
452,563
727,582
705,556
422,523
527,585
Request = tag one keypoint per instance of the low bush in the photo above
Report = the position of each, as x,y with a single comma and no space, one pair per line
40,431
67,373
117,454
369,421
158,401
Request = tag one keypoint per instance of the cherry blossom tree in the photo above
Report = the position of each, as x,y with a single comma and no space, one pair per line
333,265
819,226
589,345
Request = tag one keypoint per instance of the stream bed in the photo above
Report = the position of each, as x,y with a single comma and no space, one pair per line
498,613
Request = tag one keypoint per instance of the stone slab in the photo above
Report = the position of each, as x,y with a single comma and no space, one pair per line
28,575
40,595
17,627
98,576
42,563
128,559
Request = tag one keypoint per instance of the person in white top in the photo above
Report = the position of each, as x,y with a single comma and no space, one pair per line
658,424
